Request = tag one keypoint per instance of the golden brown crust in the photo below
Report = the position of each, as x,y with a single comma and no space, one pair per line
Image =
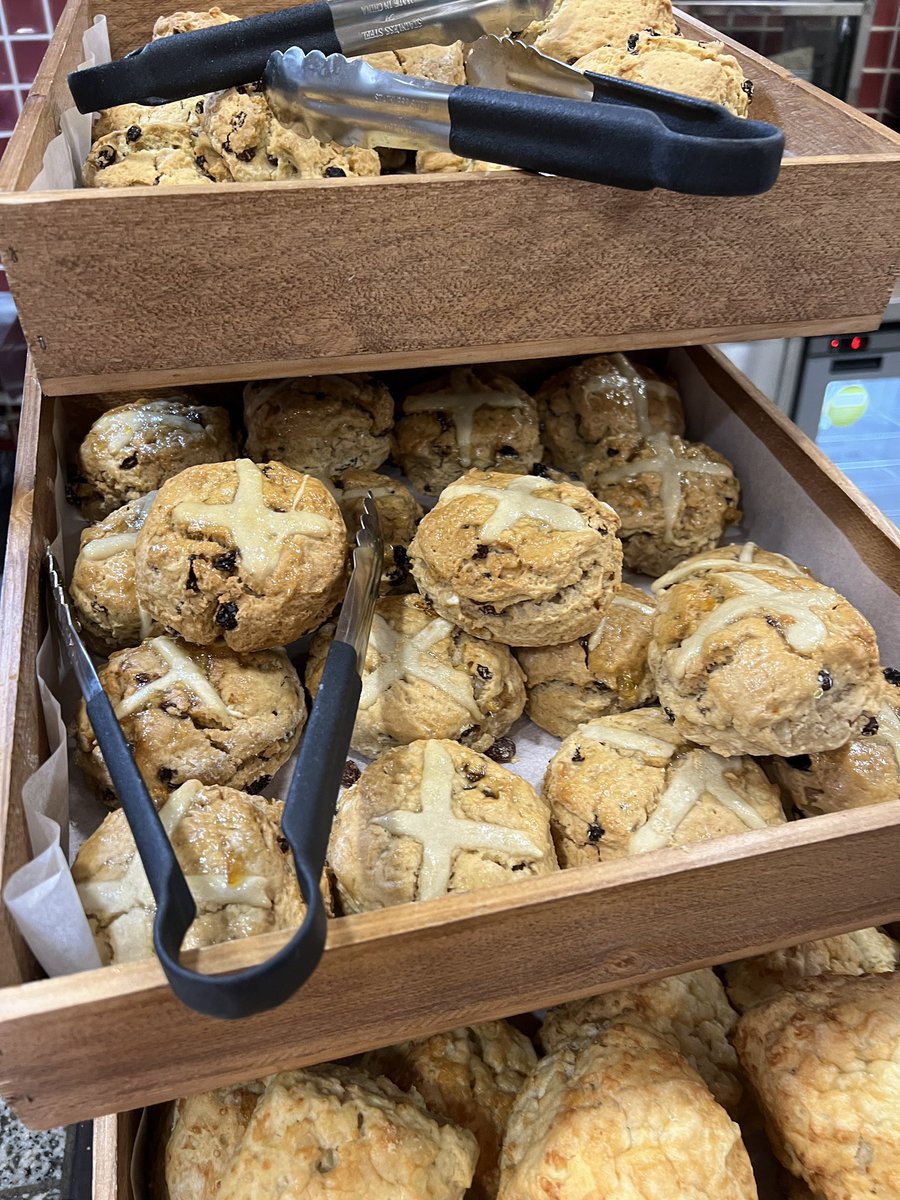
206,1131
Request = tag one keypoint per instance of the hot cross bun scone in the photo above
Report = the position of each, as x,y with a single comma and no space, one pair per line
518,559
399,512
676,64
690,1011
250,553
621,1115
573,28
194,712
604,407
864,952
604,672
823,1060
134,448
204,1132
431,818
331,1132
470,1076
865,770
102,587
228,840
426,678
467,417
631,783
758,658
674,499
326,424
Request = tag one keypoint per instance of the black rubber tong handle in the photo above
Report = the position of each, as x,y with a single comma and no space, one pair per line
204,60
631,136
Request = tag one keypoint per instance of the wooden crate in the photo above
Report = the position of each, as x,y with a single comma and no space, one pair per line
115,1038
144,286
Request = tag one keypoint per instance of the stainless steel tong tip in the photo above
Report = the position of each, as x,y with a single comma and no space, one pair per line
368,532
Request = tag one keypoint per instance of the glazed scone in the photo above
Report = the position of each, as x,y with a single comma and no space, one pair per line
866,770
325,424
604,407
205,1132
575,27
623,1115
761,661
153,155
631,783
518,559
754,980
332,1132
674,499
605,672
431,818
187,20
192,712
467,417
690,1011
744,557
102,587
426,678
250,553
470,1076
676,64
230,848
133,448
399,512
824,1061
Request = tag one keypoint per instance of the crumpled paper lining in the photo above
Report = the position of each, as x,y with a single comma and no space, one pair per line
778,515
64,156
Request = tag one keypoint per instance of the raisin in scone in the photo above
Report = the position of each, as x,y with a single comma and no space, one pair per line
866,770
250,553
604,407
468,417
470,1076
332,1132
674,499
326,424
192,712
863,952
518,559
102,587
204,1132
134,448
824,1062
690,1011
399,512
622,1115
761,661
182,113
676,64
604,672
631,783
573,28
153,154
431,818
227,840
425,678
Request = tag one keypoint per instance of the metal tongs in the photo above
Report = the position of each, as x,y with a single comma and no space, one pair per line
565,122
308,810
236,53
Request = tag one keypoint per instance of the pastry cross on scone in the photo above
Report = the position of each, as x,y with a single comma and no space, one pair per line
441,832
516,501
101,548
111,898
411,658
461,407
183,670
717,565
258,531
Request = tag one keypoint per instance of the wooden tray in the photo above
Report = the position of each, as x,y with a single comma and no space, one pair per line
149,286
114,1039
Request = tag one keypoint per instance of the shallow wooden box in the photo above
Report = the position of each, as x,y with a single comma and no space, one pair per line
141,286
114,1039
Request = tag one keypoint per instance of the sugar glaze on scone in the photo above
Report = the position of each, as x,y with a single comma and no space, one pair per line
602,673
518,559
431,818
425,678
761,661
621,1115
192,712
631,783
250,553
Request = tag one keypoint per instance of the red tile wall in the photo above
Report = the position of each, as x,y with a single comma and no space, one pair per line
879,91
